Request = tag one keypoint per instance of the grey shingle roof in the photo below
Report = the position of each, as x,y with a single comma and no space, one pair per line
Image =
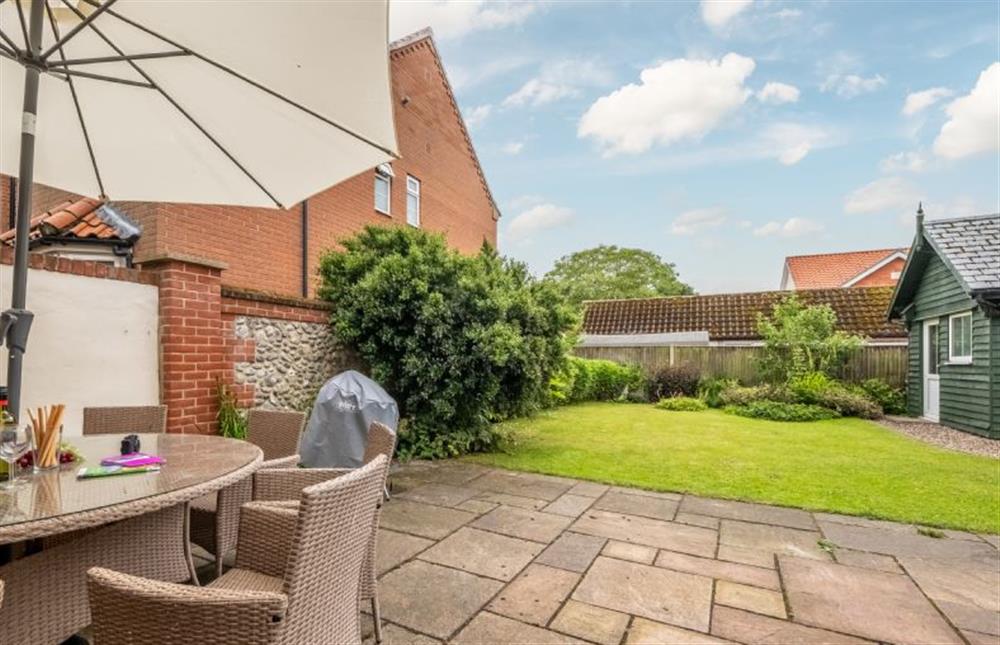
971,245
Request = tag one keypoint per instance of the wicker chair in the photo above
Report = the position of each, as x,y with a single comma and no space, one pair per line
282,484
296,582
125,420
215,518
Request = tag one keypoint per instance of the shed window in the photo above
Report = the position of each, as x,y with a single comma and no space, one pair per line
960,338
412,201
383,188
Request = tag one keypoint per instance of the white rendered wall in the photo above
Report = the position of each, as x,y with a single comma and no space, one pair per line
94,342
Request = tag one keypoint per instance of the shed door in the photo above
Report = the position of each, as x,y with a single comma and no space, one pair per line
932,380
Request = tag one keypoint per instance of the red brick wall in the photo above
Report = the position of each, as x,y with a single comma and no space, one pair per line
192,349
882,277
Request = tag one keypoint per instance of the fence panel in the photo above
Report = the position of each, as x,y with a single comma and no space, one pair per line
888,363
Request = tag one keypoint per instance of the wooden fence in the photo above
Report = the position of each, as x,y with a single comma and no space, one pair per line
888,363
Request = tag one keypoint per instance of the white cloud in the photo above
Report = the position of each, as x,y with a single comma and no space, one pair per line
791,227
513,147
848,86
466,75
791,142
676,100
697,220
883,195
474,117
904,162
973,124
538,218
718,13
788,14
918,101
557,80
777,93
453,19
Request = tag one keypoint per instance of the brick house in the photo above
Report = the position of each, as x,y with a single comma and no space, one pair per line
236,283
874,268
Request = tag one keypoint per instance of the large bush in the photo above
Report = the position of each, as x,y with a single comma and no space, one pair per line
674,380
459,341
738,395
799,339
817,388
584,379
710,389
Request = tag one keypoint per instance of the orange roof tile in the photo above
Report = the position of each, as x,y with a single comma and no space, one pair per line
828,270
83,218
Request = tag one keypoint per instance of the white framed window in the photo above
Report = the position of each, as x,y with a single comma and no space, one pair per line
383,188
960,338
894,275
412,201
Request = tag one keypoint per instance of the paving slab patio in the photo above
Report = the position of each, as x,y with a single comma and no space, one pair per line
469,554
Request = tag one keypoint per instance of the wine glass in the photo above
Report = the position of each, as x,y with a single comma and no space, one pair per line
15,442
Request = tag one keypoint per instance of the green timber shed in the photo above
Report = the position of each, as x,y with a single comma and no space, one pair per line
948,296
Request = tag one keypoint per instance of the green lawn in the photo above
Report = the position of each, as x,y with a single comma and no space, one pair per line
845,465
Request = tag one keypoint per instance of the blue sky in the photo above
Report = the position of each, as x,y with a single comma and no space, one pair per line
724,136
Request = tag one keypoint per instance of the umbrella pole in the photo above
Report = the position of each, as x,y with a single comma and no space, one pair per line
18,318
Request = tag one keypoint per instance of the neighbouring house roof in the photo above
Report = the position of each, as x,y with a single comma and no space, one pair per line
408,43
828,270
969,247
84,218
733,316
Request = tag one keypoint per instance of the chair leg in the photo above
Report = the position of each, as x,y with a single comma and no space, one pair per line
188,556
218,564
377,619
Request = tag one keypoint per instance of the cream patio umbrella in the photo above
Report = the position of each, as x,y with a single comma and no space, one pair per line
244,102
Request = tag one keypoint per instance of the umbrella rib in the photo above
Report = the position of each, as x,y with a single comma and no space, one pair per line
7,52
85,22
250,81
24,26
102,77
178,107
76,104
10,43
115,59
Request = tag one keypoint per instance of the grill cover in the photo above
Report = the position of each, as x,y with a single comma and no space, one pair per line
338,426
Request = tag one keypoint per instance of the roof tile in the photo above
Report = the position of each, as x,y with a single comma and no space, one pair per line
972,246
827,270
733,317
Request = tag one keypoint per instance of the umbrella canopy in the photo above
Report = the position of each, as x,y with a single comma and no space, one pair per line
243,102
254,102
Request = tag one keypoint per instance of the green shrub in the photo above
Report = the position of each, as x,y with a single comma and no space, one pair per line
738,395
459,341
584,379
710,389
892,400
675,380
682,404
849,404
780,411
232,420
810,387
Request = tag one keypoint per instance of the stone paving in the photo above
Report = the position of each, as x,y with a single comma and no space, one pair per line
475,555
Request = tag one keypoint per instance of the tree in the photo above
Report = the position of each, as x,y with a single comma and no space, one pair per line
799,339
610,272
459,341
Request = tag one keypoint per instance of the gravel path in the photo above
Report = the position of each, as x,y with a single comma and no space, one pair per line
940,435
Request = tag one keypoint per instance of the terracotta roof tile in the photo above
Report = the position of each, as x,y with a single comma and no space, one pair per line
828,270
732,317
82,218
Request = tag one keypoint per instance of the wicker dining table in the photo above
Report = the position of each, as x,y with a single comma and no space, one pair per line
135,523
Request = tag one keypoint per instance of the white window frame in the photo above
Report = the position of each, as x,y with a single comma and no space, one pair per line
412,192
384,173
960,359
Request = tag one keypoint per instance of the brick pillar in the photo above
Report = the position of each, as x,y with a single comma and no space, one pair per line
192,346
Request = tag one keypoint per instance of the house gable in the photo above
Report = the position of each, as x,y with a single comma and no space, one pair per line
427,80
